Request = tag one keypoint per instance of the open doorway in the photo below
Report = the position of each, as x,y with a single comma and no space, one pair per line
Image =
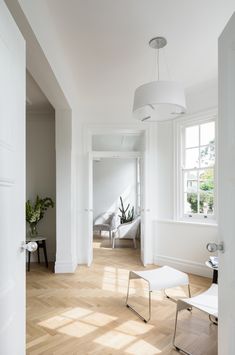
116,193
40,175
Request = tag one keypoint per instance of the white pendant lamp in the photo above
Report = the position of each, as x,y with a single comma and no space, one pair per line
159,100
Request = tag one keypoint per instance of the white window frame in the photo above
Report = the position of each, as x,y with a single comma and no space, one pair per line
179,128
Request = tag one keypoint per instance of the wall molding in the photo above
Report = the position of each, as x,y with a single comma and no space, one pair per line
188,266
182,222
64,267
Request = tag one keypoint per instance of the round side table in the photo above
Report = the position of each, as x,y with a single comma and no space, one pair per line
41,242
215,272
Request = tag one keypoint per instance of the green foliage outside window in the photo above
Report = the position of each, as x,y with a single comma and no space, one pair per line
206,193
206,188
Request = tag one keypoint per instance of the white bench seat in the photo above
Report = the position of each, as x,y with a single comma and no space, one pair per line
206,302
158,279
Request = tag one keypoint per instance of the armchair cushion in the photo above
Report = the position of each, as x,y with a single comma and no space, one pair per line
128,230
105,222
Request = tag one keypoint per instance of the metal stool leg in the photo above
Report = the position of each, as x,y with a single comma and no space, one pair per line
189,291
180,306
129,306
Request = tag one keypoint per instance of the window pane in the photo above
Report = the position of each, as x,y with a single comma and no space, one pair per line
192,158
207,133
206,178
207,156
190,181
206,203
190,203
192,136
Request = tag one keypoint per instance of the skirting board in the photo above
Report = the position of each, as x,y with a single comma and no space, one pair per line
188,266
64,267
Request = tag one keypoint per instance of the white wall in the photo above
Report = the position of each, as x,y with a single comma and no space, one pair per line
41,170
198,99
66,258
183,245
54,79
178,244
113,178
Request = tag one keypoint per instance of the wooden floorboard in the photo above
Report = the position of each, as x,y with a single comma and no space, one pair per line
85,313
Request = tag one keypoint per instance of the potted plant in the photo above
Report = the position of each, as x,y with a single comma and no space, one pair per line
35,212
126,214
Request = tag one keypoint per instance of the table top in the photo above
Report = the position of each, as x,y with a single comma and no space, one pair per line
210,265
38,238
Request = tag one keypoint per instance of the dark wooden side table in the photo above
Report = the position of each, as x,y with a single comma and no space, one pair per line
215,272
41,242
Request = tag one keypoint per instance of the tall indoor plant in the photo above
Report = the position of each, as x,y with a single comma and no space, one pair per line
126,214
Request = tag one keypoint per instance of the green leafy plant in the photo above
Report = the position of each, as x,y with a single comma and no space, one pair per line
127,215
35,212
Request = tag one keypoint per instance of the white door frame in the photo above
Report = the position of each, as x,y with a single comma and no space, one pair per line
89,132
42,72
226,189
12,185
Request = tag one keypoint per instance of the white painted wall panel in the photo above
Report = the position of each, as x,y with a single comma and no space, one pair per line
41,171
113,178
183,245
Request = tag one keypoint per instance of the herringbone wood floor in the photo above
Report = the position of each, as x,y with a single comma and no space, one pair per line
85,313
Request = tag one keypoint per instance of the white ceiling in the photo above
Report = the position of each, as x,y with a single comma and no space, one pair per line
106,44
116,142
35,99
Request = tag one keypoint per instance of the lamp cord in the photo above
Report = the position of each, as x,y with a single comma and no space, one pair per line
167,66
158,76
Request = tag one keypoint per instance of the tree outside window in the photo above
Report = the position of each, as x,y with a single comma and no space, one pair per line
198,169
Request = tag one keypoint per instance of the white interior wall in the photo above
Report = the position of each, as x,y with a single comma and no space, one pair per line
113,178
56,83
179,244
41,171
198,99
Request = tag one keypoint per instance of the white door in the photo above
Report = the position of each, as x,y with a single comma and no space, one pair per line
89,209
12,186
226,188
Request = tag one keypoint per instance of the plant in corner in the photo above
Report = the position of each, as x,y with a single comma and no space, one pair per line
126,217
35,212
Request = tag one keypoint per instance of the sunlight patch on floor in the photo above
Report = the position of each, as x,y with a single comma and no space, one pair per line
113,282
77,329
76,313
54,322
132,327
96,245
141,347
99,319
114,339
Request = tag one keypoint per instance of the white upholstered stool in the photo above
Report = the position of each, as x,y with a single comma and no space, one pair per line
206,302
158,279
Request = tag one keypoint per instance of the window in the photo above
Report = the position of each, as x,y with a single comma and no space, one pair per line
196,169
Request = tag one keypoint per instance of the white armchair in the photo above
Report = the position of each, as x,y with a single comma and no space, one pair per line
105,222
127,231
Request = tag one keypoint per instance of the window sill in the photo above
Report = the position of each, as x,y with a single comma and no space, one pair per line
183,221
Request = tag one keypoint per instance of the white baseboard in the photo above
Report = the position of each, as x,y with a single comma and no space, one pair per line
64,267
188,266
